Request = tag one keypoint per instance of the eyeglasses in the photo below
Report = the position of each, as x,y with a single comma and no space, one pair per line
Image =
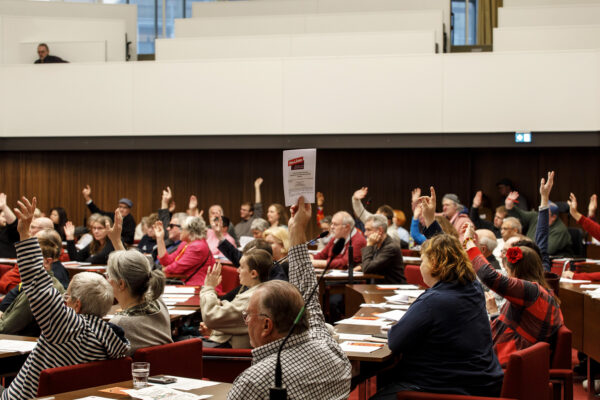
171,226
66,297
246,315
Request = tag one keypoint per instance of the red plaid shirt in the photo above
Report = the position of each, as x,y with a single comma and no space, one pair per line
530,315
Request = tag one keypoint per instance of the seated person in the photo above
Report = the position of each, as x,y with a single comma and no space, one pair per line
222,319
505,187
76,316
453,210
98,250
399,221
124,209
382,255
511,226
58,215
559,241
8,230
531,313
18,318
213,237
258,226
277,215
144,316
487,244
313,365
342,226
147,243
279,239
192,257
444,337
480,223
45,57
249,212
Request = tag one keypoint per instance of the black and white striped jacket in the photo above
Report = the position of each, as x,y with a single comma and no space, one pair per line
67,338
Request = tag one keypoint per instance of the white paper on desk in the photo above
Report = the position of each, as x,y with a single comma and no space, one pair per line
189,383
387,305
410,293
183,296
89,398
592,261
299,170
342,273
178,289
590,286
411,260
353,336
567,280
395,315
9,261
399,287
181,312
365,321
594,293
20,346
360,347
162,393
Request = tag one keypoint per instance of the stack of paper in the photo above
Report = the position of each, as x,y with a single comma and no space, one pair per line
398,287
365,321
395,315
360,347
18,346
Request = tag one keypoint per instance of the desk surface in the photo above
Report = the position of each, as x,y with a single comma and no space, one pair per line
6,354
218,392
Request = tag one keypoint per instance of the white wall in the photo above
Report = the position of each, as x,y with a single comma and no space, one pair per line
73,39
493,92
547,38
549,15
288,7
302,45
55,9
312,23
522,3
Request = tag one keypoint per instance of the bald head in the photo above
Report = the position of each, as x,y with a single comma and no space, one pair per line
40,223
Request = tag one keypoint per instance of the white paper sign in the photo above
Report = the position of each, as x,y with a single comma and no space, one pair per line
299,169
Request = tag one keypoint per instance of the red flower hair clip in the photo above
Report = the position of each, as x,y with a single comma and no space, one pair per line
514,254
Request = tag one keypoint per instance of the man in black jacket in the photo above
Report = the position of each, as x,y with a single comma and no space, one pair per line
125,206
382,255
45,57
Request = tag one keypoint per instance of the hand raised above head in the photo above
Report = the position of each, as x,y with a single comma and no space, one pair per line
546,187
2,201
213,276
159,230
258,181
300,217
166,197
87,192
592,206
24,213
573,207
477,199
509,202
361,193
114,232
69,229
427,204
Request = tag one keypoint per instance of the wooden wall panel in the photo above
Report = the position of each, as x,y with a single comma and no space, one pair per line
226,177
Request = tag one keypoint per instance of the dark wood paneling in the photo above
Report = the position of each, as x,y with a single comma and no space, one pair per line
226,177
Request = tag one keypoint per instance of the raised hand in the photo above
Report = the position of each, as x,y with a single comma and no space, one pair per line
87,193
568,274
2,201
69,229
213,276
159,230
418,212
427,204
25,215
258,182
467,231
361,193
477,199
114,233
592,206
509,202
217,227
573,207
545,188
166,198
298,222
193,206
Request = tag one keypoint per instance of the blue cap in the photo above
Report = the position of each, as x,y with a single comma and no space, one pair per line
553,207
126,201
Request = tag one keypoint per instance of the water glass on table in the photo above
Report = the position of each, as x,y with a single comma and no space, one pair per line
140,372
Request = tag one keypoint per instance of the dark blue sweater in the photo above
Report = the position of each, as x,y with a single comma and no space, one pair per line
446,342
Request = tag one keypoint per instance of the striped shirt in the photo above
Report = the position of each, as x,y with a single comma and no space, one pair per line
313,365
67,338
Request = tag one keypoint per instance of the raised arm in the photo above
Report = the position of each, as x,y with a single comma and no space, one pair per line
359,210
427,204
415,233
543,230
114,233
56,321
9,216
258,208
590,226
302,274
159,232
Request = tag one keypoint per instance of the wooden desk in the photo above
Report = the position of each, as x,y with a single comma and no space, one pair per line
571,297
75,269
218,392
12,361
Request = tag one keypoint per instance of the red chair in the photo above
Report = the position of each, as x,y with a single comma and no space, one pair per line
561,369
81,376
224,365
413,275
180,358
5,268
231,279
526,378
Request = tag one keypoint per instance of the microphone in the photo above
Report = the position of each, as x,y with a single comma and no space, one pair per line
278,392
350,261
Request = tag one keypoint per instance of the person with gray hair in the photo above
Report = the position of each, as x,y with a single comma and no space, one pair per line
258,226
73,331
144,316
382,255
511,226
192,257
342,227
454,211
487,243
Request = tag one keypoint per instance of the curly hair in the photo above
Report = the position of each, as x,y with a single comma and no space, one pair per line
449,261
